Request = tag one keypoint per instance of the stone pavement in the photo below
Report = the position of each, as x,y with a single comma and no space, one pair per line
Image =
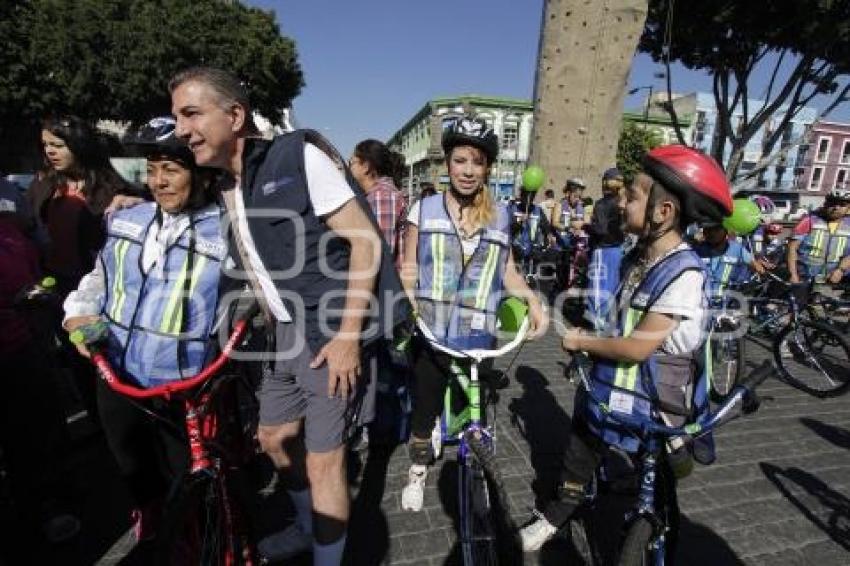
778,494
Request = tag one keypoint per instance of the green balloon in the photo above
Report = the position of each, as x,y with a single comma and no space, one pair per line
745,217
533,178
511,313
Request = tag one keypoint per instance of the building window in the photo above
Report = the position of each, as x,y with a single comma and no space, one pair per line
817,176
840,177
509,136
823,149
845,153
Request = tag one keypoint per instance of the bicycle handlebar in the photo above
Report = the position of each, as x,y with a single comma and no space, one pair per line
166,390
478,354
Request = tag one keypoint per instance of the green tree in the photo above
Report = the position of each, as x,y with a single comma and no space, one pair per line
634,142
111,59
803,46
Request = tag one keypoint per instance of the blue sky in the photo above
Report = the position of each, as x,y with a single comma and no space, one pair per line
369,65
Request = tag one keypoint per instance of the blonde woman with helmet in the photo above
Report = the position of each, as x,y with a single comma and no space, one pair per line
450,238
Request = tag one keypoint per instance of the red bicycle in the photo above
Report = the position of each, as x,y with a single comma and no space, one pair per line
204,520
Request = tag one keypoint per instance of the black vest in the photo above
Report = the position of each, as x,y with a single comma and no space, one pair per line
301,248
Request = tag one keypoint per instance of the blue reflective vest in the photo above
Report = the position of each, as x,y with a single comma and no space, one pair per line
159,322
529,233
722,268
458,299
631,387
820,252
570,214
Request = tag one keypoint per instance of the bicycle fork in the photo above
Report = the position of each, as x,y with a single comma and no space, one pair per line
646,504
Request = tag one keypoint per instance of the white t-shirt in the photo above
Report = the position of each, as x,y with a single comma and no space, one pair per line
468,243
683,299
328,191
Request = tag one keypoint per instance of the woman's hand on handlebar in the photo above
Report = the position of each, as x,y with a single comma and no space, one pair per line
539,319
76,322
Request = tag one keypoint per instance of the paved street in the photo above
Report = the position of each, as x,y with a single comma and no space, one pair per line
779,493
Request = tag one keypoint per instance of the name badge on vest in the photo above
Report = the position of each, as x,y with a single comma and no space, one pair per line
437,225
621,402
214,249
478,321
122,227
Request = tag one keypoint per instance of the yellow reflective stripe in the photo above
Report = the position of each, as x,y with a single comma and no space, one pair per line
486,279
840,244
196,275
121,247
626,373
438,244
724,277
171,308
817,243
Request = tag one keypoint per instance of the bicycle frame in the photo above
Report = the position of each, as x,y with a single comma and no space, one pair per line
453,426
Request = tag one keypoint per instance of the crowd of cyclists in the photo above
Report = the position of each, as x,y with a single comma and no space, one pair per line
340,264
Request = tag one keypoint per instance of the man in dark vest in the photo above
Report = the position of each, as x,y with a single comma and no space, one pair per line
302,236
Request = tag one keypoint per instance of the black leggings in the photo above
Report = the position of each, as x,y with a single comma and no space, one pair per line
150,453
431,374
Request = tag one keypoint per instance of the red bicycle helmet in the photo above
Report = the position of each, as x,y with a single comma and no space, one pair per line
695,178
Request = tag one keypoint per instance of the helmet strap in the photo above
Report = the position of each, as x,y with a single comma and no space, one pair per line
464,201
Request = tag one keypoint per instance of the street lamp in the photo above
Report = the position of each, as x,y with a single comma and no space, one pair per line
648,101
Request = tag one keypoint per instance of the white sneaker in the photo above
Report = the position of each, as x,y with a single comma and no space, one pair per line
285,544
413,494
535,534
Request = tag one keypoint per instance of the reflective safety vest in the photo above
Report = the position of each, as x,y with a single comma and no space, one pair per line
630,388
570,214
820,252
721,268
458,300
529,233
159,322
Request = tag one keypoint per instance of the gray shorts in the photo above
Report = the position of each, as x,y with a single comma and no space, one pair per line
291,390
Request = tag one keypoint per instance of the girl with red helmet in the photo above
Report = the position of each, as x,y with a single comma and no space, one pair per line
659,326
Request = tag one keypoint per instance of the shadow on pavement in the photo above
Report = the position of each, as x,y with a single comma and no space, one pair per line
701,546
827,509
368,531
840,437
544,425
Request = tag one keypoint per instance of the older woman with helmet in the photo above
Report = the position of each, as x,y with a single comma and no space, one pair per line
457,244
660,325
156,285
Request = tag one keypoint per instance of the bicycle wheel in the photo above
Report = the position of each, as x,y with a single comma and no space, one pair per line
636,547
813,357
477,533
199,527
727,360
